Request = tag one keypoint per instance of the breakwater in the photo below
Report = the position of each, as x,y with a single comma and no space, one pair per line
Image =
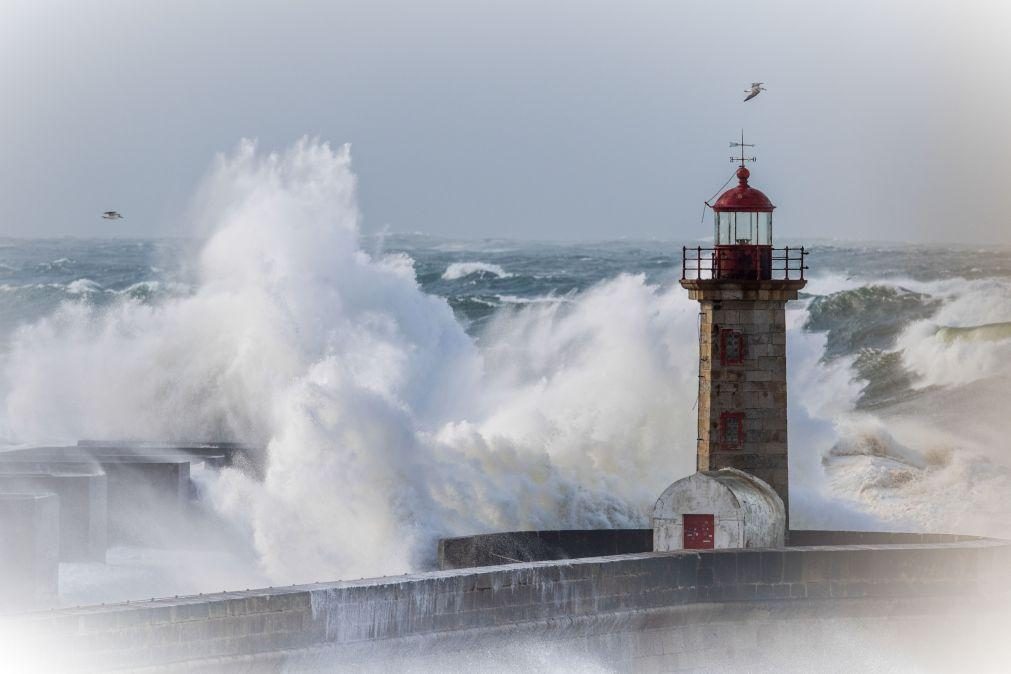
578,598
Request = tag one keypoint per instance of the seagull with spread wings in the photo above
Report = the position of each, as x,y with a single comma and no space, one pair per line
756,88
112,215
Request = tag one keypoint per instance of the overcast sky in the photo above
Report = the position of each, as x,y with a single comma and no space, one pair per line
558,120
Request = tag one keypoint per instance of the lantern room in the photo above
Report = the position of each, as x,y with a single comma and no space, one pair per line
743,232
743,215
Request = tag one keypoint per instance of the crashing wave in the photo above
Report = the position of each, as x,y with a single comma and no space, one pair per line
83,286
459,270
991,332
869,316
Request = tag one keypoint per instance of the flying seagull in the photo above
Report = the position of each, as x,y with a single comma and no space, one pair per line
112,215
756,88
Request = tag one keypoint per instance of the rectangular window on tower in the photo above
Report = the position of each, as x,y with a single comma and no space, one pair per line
732,347
731,430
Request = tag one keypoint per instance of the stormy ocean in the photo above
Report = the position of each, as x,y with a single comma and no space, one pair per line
409,387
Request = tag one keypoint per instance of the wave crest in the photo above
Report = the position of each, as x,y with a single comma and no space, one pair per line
459,270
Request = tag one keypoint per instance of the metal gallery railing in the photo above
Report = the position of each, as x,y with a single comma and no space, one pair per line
743,262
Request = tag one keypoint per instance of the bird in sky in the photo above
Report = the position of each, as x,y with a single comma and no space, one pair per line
756,88
112,215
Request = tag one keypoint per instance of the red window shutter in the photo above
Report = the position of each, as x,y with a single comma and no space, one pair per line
733,347
732,430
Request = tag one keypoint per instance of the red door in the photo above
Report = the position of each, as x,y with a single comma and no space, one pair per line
698,532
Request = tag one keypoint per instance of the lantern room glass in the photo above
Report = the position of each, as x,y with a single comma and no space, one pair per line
744,228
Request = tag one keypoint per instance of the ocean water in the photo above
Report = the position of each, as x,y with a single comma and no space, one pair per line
410,387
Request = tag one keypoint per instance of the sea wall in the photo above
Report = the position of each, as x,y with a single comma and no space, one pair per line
246,628
535,546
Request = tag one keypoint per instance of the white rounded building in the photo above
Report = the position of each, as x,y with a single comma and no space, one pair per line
725,508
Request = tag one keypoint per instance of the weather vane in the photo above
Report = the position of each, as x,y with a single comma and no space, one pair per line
742,145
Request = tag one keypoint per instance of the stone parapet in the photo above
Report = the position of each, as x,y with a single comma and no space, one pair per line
529,546
748,291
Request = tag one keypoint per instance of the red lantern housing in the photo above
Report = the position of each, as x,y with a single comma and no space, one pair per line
743,232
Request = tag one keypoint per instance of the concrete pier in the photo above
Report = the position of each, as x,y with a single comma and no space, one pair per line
593,598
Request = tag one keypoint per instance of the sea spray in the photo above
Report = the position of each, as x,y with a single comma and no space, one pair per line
966,340
387,425
933,455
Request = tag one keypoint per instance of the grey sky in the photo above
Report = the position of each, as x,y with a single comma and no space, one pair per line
558,120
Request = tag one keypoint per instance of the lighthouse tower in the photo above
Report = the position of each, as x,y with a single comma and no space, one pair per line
742,285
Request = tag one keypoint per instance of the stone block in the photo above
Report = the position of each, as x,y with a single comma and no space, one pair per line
706,573
740,592
725,568
817,590
688,570
771,566
749,566
793,566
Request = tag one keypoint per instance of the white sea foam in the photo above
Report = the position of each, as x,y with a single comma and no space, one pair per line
83,286
384,421
939,461
940,361
459,270
515,299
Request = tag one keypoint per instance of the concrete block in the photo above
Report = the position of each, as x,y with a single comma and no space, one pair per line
147,494
82,493
29,553
148,498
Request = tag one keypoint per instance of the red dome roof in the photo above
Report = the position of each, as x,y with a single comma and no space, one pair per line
743,197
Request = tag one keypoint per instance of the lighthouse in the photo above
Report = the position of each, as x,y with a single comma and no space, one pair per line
740,495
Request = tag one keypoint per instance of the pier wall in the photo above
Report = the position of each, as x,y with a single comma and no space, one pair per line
535,546
262,628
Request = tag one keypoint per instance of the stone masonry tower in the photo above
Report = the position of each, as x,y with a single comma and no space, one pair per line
743,284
